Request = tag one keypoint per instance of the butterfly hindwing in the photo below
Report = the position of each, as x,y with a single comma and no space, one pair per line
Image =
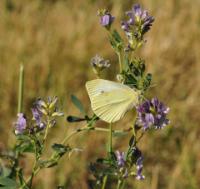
110,100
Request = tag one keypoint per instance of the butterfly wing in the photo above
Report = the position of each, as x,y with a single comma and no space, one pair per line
110,100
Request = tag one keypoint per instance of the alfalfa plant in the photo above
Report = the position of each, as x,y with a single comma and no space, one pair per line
110,100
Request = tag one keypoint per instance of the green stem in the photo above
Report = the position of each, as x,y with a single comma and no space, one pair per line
73,133
108,130
20,95
21,89
104,182
110,138
47,129
120,61
140,137
85,128
29,180
119,184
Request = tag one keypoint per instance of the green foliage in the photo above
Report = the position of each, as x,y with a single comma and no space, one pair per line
53,68
61,149
7,183
116,41
78,104
25,144
134,75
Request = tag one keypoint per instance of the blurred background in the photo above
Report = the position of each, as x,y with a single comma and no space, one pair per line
55,39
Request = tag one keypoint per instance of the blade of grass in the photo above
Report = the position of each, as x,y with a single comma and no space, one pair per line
21,89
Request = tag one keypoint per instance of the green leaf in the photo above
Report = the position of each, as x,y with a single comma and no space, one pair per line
5,171
23,137
20,175
78,104
47,163
126,64
132,141
91,121
61,149
116,36
5,181
25,146
73,119
119,134
102,160
116,41
60,187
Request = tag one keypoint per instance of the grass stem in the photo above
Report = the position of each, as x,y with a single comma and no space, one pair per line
110,139
21,89
104,182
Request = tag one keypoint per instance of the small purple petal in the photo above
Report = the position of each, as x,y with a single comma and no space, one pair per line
36,115
120,158
139,167
106,20
125,26
20,125
137,9
149,118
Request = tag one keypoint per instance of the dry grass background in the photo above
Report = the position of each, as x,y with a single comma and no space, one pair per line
55,39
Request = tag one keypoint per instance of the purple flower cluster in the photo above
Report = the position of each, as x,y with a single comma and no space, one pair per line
43,113
139,167
20,124
99,62
137,18
152,113
121,162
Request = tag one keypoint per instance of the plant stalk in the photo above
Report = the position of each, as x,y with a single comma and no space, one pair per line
104,182
21,89
110,139
120,61
119,184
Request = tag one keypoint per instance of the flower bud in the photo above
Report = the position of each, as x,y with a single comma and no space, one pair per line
99,64
106,19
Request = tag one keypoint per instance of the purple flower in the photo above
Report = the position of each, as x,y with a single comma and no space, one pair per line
98,64
152,113
138,21
139,167
20,125
37,116
121,162
120,158
106,19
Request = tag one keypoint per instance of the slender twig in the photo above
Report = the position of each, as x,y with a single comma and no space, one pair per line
67,138
140,137
119,184
74,133
120,62
30,178
21,89
110,139
47,129
104,182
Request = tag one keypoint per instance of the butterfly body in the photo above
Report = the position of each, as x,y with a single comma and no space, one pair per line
111,100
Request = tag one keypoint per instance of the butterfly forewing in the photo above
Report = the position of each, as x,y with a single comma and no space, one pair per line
110,100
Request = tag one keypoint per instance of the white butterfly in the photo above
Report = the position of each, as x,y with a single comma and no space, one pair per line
111,100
